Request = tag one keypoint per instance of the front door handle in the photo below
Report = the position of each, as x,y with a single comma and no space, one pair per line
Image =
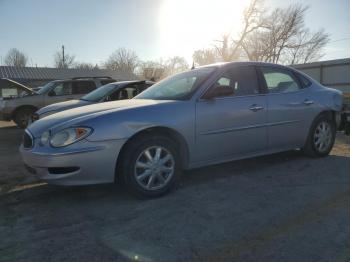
255,108
308,102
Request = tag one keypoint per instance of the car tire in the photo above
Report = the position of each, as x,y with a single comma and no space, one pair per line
150,166
321,137
23,117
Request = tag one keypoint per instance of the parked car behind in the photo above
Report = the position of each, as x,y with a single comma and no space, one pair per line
12,89
110,92
21,109
204,116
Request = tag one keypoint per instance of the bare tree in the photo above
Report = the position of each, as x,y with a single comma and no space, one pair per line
175,65
162,67
205,56
122,59
14,57
308,47
66,61
284,38
83,65
229,49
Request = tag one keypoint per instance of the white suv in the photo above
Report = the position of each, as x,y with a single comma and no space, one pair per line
21,109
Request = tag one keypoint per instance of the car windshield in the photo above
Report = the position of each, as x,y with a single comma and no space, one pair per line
99,93
177,87
46,88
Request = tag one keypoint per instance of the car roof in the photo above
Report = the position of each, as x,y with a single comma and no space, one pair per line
124,83
243,63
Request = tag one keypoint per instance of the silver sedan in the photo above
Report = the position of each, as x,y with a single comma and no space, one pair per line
205,116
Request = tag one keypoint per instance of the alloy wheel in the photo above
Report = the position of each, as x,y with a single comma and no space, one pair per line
323,136
154,168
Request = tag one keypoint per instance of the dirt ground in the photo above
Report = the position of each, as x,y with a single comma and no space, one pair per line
283,207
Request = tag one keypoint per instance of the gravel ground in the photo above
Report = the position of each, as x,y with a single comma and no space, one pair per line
283,207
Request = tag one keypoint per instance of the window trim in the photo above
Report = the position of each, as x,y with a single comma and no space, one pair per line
264,84
260,89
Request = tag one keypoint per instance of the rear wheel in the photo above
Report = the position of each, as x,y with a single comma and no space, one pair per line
321,137
151,166
23,117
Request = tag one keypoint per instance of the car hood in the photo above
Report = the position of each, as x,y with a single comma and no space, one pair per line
57,107
72,116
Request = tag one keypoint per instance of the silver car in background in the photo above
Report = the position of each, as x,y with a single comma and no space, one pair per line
205,116
110,92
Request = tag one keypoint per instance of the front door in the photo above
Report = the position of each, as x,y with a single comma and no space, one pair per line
62,91
233,125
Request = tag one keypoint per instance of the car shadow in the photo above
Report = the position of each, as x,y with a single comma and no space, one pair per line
117,193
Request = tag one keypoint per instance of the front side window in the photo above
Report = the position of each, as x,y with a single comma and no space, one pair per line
62,89
279,80
241,81
177,87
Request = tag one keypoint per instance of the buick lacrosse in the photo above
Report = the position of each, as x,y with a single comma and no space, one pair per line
204,116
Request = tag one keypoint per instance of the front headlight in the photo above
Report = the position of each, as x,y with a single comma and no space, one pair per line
69,136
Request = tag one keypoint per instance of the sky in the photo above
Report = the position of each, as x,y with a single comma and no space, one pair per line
92,29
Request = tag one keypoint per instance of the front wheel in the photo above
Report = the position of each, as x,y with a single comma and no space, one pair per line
321,137
151,166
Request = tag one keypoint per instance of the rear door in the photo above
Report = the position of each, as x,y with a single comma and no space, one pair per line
290,108
234,125
80,88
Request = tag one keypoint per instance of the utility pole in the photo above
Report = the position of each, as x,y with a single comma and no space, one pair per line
63,59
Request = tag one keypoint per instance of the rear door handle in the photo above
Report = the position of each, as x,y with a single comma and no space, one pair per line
255,108
308,102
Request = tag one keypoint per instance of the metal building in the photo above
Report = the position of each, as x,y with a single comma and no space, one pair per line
37,76
331,73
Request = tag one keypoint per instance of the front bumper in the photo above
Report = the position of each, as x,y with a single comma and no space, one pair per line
5,117
81,163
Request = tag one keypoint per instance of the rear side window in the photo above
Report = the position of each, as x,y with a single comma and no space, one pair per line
83,87
279,81
62,89
242,80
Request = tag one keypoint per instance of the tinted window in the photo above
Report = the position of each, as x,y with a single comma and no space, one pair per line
279,80
83,87
127,92
242,80
62,88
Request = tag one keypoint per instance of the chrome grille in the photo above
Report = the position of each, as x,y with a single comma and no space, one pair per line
28,141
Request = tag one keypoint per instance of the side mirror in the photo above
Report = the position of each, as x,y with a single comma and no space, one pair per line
219,91
51,93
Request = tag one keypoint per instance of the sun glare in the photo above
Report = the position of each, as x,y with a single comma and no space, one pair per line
187,25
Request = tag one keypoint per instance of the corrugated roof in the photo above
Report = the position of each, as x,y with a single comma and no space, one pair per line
44,73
